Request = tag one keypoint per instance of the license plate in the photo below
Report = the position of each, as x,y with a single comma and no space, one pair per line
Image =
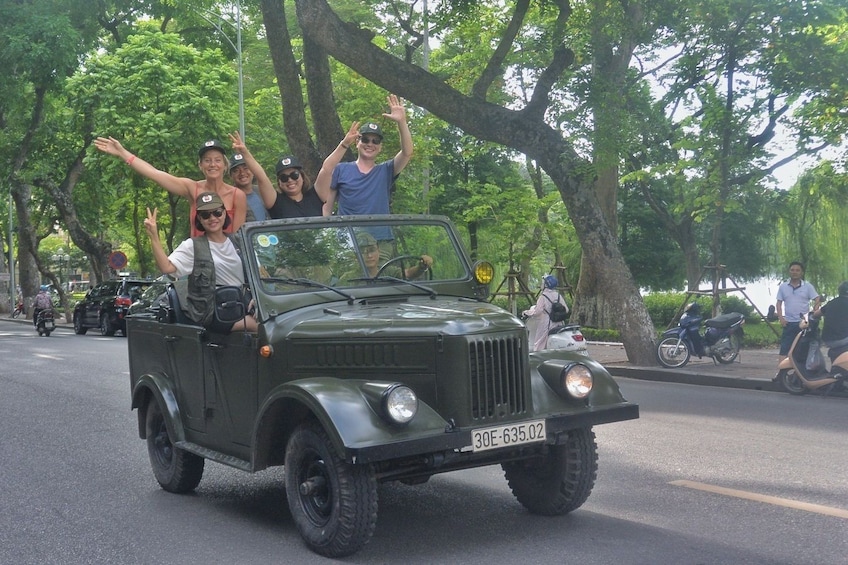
508,436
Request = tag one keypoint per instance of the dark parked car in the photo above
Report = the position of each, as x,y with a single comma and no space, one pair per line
148,303
106,305
363,372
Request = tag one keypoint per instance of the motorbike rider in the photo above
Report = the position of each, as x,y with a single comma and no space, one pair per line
42,302
793,301
835,326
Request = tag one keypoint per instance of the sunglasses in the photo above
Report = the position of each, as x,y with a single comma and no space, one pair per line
294,175
371,140
206,214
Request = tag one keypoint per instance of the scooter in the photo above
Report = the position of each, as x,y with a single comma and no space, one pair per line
792,372
721,341
44,322
569,338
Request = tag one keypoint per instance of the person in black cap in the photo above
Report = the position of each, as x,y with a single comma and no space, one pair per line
213,163
243,178
364,186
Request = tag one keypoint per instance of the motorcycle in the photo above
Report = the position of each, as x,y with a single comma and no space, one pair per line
721,341
792,373
569,338
45,323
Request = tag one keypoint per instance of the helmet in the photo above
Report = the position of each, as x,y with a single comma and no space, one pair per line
550,281
44,288
693,309
843,289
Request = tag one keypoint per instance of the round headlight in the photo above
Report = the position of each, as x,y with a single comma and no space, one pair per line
484,272
577,380
400,404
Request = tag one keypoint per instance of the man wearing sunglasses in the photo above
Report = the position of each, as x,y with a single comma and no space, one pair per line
364,186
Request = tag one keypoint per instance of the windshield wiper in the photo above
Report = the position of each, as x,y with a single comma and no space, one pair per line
309,283
386,278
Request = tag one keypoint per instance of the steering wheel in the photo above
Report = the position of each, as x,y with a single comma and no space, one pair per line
416,260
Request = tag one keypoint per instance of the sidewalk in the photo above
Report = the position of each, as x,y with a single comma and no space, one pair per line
752,369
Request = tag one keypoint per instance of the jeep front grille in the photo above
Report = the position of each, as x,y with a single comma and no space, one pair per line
496,378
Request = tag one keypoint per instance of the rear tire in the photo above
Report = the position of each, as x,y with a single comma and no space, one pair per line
673,353
729,355
790,381
105,327
175,470
559,481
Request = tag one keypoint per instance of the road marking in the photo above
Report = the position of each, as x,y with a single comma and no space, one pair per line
788,503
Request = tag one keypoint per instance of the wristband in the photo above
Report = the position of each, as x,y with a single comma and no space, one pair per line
345,146
130,160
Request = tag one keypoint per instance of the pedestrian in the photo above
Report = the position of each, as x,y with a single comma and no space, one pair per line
213,163
793,302
541,312
189,259
243,179
364,186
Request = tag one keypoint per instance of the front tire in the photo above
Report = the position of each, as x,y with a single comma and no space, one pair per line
105,327
790,382
561,480
175,470
333,503
79,329
673,353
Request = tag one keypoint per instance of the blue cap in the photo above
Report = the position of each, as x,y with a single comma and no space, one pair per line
550,281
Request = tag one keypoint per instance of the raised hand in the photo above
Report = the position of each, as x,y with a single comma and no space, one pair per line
397,112
150,223
109,145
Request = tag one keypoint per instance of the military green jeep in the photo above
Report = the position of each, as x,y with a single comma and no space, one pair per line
370,365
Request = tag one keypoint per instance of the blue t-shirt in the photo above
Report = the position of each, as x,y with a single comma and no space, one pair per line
256,205
364,193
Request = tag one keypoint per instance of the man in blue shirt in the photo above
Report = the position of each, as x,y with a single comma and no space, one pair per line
793,301
364,186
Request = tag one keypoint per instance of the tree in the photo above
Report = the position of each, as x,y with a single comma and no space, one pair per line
524,130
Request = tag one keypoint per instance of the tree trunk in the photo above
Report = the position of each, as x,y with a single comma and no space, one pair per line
524,131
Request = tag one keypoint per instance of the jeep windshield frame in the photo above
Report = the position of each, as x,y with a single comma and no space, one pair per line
280,255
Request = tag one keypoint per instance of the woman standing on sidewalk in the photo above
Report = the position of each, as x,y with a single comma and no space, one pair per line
542,312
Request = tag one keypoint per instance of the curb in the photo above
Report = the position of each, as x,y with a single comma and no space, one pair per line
703,379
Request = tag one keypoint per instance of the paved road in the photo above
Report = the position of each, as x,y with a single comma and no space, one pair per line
76,486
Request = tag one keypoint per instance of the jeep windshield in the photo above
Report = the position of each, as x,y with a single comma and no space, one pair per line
356,256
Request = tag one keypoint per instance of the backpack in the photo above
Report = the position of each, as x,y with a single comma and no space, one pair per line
42,300
559,312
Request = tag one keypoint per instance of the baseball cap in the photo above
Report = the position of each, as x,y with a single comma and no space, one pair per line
209,145
288,162
371,127
208,201
236,160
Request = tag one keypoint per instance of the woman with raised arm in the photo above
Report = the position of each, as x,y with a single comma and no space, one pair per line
213,163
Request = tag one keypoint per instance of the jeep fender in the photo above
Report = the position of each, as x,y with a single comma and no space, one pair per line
158,387
348,410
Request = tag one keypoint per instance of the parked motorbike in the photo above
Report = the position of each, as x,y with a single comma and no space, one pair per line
569,338
796,378
19,309
45,323
721,341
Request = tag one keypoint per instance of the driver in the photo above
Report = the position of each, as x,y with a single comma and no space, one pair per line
835,331
370,251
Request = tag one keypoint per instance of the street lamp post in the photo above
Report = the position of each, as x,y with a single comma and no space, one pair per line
237,47
62,259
